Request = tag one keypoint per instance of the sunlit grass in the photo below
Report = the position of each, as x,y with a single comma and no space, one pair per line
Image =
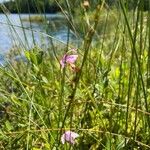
105,99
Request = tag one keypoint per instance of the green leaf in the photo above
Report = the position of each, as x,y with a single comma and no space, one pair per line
8,125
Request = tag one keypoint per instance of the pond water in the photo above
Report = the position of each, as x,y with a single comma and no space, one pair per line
12,33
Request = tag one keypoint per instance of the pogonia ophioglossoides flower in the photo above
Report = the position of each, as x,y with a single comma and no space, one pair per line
69,136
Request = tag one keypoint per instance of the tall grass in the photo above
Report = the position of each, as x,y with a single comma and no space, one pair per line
105,100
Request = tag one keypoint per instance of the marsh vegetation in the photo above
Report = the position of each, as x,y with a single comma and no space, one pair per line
91,93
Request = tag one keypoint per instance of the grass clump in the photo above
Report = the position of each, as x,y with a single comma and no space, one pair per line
101,93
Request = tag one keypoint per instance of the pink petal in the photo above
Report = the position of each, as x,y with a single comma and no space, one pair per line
69,136
62,63
71,58
63,139
75,135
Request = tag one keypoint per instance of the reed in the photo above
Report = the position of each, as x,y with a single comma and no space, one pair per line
98,88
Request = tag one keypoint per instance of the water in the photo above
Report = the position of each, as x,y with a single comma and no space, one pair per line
11,36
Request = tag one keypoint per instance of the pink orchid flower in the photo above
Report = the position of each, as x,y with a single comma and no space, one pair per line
69,136
68,59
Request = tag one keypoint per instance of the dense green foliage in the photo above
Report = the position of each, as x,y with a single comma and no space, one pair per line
104,96
32,6
51,6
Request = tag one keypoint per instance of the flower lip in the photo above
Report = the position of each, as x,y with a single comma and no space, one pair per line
69,136
68,59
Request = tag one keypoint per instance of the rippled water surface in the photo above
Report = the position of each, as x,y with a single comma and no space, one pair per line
12,33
